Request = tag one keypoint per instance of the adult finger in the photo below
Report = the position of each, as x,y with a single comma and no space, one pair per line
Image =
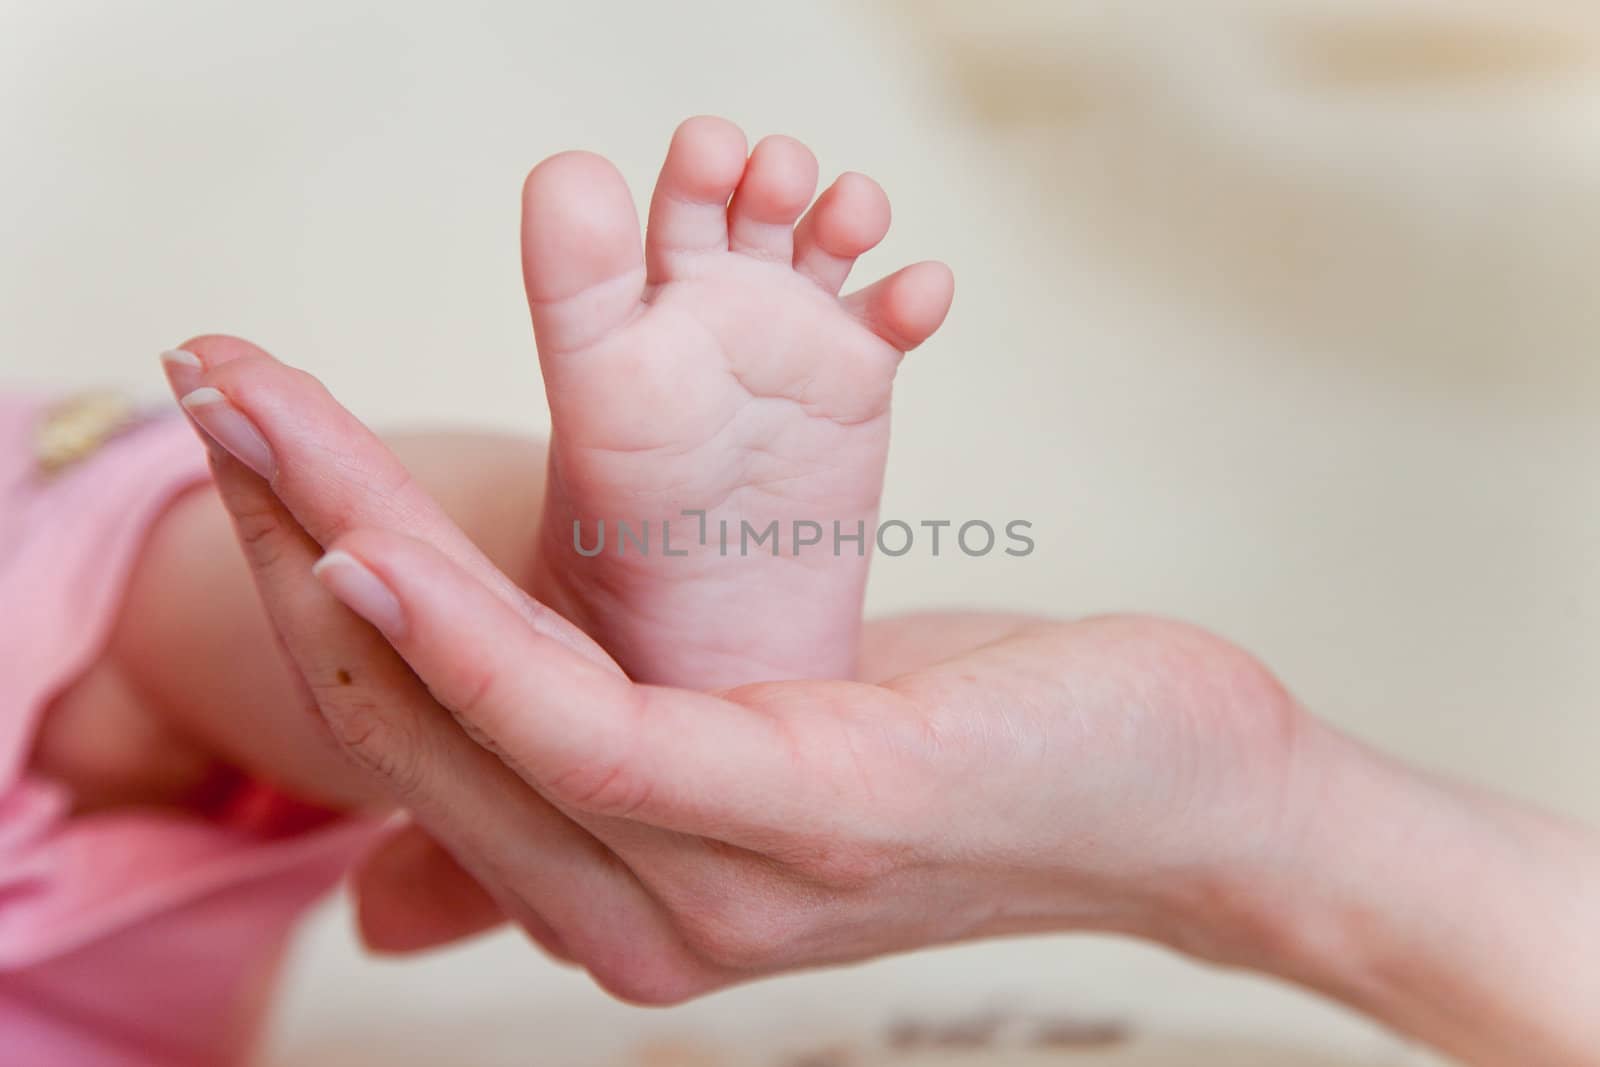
587,738
411,894
543,869
328,468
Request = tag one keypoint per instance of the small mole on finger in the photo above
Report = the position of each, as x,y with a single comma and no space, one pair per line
344,677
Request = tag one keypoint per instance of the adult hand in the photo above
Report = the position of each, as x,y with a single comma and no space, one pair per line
989,776
1025,775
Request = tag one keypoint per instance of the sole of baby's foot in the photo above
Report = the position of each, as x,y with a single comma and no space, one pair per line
720,415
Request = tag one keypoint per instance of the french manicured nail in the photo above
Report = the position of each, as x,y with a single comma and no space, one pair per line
360,590
230,428
183,370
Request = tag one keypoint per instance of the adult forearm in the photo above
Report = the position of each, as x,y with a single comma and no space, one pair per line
1460,918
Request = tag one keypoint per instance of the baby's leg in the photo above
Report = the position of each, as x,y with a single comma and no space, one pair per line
191,685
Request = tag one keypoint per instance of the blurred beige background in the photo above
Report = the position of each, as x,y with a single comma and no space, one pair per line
1278,315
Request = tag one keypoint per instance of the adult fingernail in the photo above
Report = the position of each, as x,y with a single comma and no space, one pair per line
360,590
230,428
183,370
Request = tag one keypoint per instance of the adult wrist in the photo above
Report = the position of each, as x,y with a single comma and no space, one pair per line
1452,915
1293,911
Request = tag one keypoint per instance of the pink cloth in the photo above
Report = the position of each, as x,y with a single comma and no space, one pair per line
131,939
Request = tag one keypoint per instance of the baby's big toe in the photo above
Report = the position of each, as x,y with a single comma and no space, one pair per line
582,259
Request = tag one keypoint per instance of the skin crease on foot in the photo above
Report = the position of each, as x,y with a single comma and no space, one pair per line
713,367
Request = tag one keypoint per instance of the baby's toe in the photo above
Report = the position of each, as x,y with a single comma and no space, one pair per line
906,307
582,263
847,220
688,213
778,183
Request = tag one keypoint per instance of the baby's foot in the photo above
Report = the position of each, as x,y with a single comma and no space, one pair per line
713,368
